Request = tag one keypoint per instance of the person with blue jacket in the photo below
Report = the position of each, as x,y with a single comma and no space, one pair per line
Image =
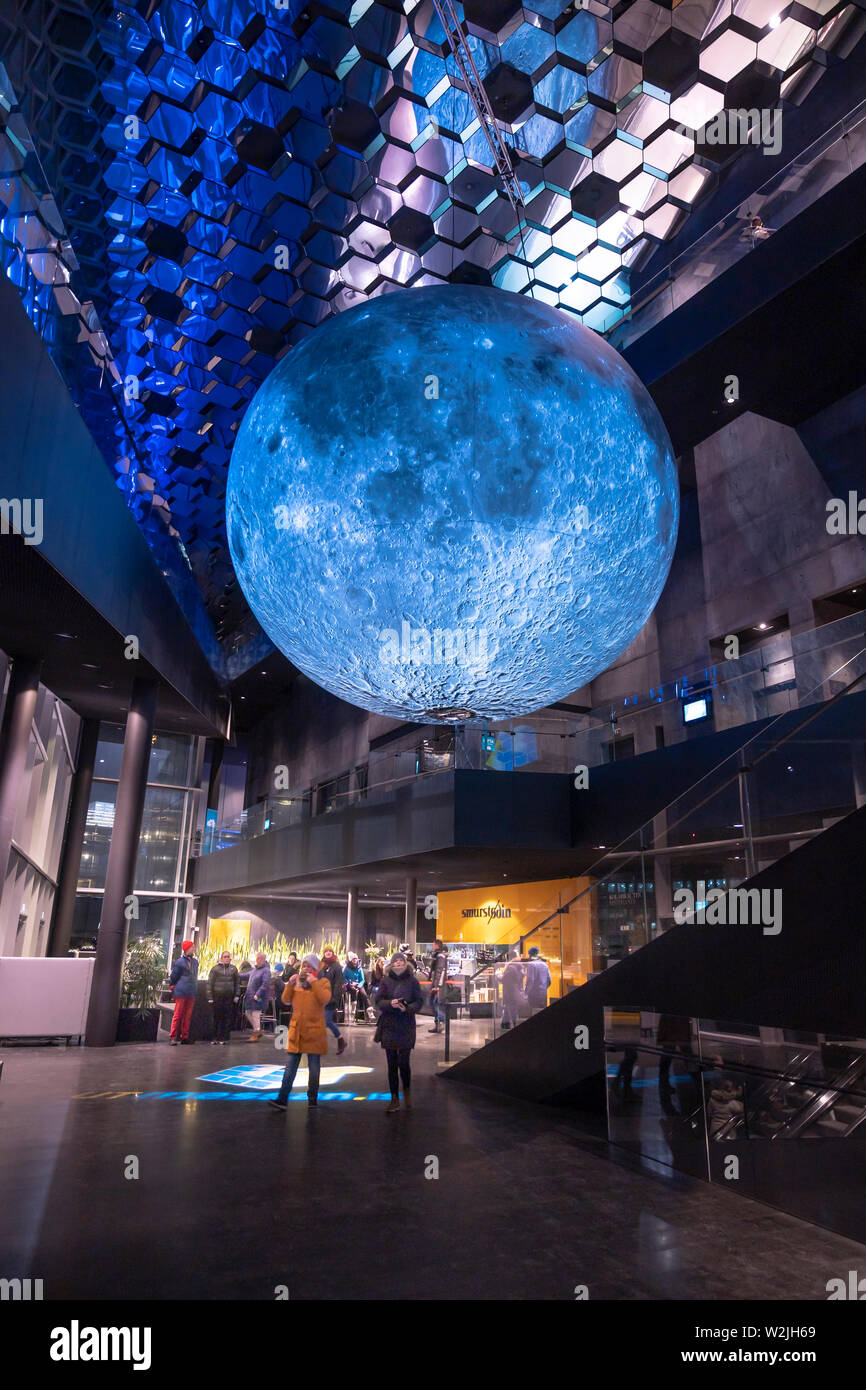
356,986
537,981
258,995
182,980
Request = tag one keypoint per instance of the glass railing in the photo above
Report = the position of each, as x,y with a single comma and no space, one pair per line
717,1100
775,792
783,197
371,783
788,673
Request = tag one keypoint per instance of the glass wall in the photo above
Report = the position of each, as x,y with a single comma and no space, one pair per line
704,1097
167,822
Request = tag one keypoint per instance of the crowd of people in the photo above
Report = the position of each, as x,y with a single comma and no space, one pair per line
396,997
316,994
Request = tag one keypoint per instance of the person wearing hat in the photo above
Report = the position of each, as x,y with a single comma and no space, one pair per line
308,996
355,986
398,1001
184,974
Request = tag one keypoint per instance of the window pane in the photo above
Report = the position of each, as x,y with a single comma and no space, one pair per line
97,835
169,759
169,756
109,751
159,845
85,923
155,918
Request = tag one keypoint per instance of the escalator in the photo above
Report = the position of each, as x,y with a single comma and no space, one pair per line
800,1109
815,1097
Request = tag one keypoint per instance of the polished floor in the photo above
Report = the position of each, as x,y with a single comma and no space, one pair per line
234,1199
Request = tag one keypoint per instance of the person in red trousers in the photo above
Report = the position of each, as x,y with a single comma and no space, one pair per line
183,978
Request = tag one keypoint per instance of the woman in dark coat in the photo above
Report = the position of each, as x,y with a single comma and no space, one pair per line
331,971
398,1001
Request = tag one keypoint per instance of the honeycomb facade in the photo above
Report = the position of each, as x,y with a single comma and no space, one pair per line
229,175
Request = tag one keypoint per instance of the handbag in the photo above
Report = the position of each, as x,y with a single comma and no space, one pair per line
377,1035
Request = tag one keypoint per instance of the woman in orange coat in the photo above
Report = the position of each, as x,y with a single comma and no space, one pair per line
308,996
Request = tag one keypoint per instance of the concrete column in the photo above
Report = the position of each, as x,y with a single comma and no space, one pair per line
73,840
120,874
214,786
411,917
353,924
14,747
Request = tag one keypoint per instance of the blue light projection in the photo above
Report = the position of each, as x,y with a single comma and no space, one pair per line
260,1082
268,1078
452,503
251,1095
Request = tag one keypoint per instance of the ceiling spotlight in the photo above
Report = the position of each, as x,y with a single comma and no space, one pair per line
775,21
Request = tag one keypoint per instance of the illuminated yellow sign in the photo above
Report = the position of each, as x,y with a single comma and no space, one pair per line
525,915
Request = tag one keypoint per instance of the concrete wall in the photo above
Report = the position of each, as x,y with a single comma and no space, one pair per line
313,734
763,528
753,544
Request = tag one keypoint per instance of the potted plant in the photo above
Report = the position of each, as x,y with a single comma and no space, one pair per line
143,975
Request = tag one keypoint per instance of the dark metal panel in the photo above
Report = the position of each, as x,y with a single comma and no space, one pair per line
91,548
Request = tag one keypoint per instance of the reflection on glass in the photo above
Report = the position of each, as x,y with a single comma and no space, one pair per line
159,843
169,759
97,835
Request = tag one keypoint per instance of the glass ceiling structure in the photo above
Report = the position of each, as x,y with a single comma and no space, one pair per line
196,184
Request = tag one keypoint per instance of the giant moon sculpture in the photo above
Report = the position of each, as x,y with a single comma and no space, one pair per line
451,504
